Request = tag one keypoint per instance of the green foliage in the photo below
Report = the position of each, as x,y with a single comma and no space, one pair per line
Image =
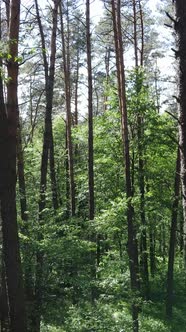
71,245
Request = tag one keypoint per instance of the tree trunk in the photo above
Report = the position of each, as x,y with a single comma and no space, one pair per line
132,243
140,134
90,117
27,252
8,132
180,27
48,147
172,244
21,176
152,250
48,151
66,69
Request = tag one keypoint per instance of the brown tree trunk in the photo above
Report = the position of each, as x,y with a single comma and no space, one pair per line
132,243
76,88
93,255
66,69
8,132
140,134
21,176
172,243
4,308
180,27
90,117
48,151
48,147
152,250
27,252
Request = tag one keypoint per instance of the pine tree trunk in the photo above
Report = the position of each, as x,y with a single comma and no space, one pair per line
90,116
21,175
8,132
180,27
132,243
66,69
140,134
172,243
47,151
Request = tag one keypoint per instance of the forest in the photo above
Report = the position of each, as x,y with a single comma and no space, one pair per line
92,166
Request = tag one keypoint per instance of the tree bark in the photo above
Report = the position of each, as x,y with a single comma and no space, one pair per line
8,133
90,116
180,27
140,134
21,176
172,243
47,152
66,69
48,147
132,242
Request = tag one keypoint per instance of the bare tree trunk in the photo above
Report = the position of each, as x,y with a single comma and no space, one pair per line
90,116
8,132
21,175
152,250
107,71
4,308
48,151
48,147
132,243
76,88
93,256
172,243
27,253
140,134
180,27
66,69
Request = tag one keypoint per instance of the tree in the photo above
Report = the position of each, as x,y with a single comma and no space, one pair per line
90,117
47,155
180,27
66,70
132,242
172,244
9,121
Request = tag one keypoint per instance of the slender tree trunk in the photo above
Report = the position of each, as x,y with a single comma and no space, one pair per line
48,147
27,252
180,27
140,134
152,250
94,238
90,116
181,234
21,176
76,88
8,132
172,243
107,72
48,151
66,69
142,33
4,308
135,33
132,243
49,106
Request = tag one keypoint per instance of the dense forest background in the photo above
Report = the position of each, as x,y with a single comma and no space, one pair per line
92,211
